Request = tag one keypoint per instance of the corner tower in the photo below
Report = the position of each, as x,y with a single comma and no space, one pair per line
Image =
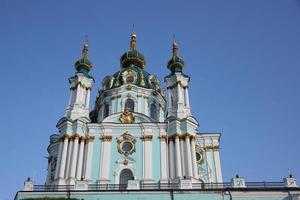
80,88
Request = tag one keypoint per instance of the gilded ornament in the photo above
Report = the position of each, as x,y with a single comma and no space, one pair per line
127,117
146,137
125,162
126,144
106,138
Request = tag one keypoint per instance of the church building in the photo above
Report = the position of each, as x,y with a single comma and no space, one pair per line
139,141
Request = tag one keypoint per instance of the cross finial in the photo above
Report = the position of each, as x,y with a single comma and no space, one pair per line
175,48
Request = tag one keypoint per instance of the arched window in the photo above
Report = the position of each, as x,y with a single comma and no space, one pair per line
125,175
106,111
129,104
154,112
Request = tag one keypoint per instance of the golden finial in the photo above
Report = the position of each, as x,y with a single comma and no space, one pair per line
133,39
85,49
175,48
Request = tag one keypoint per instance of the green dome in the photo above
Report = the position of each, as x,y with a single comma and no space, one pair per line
83,64
141,77
176,63
132,57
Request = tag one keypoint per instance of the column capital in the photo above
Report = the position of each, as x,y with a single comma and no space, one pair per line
64,137
216,148
208,147
106,138
146,137
163,137
82,138
90,138
176,136
75,136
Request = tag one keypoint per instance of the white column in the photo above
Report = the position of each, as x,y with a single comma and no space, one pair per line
171,159
209,163
63,157
218,164
80,159
148,157
70,98
83,96
89,155
180,98
60,148
146,112
163,158
73,96
188,156
105,162
77,94
183,159
169,97
180,93
69,156
178,157
119,103
194,161
87,101
113,103
74,157
187,100
139,102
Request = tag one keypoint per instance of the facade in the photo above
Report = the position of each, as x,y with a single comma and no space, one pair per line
139,139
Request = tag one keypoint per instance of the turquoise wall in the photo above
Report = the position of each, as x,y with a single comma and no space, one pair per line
177,195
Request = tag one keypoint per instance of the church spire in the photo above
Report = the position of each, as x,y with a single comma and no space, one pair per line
176,63
84,65
133,41
132,57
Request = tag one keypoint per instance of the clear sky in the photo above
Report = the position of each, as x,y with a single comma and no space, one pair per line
243,58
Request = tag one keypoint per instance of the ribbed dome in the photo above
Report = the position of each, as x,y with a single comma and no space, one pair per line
176,63
132,56
84,65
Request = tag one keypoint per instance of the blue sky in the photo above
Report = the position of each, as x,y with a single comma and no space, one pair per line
243,58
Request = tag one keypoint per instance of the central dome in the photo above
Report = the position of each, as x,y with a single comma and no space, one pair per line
132,57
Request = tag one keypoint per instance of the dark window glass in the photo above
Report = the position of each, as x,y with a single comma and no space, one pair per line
127,146
154,113
198,156
129,105
106,110
126,174
129,79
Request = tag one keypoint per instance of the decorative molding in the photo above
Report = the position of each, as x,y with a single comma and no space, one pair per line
127,117
216,148
146,137
81,85
64,137
129,87
106,138
163,137
90,138
126,139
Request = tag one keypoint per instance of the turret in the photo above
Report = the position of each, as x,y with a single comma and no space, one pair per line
80,88
177,86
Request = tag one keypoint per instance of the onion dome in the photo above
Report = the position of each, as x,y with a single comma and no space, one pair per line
132,56
84,65
176,63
